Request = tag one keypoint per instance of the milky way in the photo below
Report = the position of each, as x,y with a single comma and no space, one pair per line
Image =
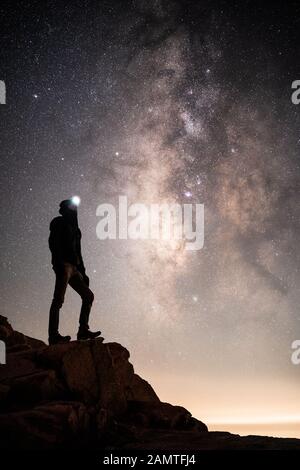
162,101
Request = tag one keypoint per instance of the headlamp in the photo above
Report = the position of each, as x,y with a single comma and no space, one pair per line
75,200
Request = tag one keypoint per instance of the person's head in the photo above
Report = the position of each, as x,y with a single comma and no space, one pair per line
68,208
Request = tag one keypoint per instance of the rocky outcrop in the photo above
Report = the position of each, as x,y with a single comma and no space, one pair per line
77,394
87,395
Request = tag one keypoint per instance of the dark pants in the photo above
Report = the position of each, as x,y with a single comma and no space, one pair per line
69,274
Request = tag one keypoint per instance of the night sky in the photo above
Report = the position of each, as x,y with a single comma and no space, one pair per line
184,101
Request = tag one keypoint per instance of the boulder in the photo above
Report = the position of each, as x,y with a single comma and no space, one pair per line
162,415
55,425
16,341
140,390
79,372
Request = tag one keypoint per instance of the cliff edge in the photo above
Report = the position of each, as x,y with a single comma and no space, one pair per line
85,394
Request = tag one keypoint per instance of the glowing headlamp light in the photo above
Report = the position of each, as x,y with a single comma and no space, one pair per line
75,200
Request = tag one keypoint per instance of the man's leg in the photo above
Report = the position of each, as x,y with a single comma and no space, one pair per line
62,277
87,296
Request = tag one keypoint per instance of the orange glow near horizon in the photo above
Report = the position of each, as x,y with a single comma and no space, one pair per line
263,406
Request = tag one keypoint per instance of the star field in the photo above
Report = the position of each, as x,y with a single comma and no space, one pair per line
162,101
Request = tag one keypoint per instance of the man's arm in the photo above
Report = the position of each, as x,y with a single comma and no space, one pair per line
81,267
56,243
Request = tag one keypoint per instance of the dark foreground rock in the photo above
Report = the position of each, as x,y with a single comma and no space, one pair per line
87,395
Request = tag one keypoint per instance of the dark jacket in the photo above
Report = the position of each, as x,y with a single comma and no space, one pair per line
65,243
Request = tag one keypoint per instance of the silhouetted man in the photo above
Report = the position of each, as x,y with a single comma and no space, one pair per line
65,246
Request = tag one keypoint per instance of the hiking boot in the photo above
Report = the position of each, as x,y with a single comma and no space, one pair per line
59,339
85,333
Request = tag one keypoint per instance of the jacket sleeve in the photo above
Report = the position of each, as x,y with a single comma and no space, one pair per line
80,267
56,242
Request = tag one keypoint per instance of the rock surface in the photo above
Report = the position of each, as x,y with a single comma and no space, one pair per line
87,395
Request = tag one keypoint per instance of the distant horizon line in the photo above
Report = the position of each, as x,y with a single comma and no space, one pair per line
255,423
